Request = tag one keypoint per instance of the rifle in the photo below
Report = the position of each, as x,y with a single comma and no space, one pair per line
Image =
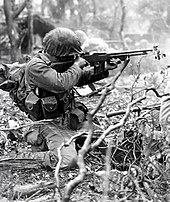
98,59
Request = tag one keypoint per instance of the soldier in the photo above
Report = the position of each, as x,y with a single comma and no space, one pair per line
43,89
49,79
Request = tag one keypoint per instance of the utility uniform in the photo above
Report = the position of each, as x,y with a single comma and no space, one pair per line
50,96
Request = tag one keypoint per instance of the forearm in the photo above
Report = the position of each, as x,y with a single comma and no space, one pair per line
87,77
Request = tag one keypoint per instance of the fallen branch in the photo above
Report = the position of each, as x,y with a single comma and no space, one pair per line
135,109
26,125
30,189
8,163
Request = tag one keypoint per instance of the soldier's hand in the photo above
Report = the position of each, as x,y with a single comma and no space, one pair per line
89,69
112,64
81,62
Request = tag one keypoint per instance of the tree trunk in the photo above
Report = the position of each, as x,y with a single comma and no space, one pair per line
10,28
13,34
61,4
30,26
168,14
122,24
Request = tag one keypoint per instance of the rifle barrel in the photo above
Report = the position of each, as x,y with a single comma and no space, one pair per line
144,51
122,55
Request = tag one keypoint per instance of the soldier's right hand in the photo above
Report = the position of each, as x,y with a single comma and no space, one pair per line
81,62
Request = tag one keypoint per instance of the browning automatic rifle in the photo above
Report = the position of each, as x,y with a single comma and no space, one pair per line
96,59
99,60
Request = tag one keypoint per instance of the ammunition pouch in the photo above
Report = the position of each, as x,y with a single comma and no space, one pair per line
33,106
49,107
41,108
77,116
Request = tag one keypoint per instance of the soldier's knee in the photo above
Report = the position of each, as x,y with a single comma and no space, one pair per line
50,159
68,155
73,162
69,161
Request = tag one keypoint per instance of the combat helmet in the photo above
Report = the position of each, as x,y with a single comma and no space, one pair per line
62,42
82,36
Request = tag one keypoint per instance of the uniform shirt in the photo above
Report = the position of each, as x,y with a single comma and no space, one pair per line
38,73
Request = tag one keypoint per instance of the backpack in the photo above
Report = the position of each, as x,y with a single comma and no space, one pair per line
14,82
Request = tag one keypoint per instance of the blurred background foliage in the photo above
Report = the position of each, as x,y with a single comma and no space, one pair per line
123,24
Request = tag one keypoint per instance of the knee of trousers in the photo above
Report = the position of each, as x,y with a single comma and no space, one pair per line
69,157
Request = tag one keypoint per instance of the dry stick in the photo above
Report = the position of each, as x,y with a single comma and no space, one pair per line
118,125
108,88
86,146
80,161
64,144
111,86
27,125
60,158
124,118
138,188
107,173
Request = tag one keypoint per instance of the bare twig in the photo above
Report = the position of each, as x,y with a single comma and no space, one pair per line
58,165
17,12
90,146
118,125
26,125
110,86
87,144
138,188
107,173
82,169
64,144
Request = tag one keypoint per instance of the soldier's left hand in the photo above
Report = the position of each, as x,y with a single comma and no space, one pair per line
89,68
112,64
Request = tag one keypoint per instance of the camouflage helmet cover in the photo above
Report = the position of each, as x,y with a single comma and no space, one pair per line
62,42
